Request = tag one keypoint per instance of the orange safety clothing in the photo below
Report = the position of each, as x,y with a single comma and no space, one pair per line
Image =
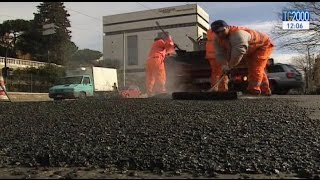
155,69
209,45
216,69
257,55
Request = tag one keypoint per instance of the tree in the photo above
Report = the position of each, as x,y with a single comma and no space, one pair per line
16,27
85,56
317,71
310,68
56,48
52,72
109,63
56,44
31,42
301,62
298,40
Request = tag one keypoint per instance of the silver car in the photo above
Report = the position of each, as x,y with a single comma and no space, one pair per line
283,78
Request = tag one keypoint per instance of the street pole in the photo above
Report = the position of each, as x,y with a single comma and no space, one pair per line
124,59
48,30
5,58
309,69
31,82
5,63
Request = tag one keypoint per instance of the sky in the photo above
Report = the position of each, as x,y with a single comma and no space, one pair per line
86,17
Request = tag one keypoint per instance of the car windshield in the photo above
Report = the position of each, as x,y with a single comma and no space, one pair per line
69,80
275,69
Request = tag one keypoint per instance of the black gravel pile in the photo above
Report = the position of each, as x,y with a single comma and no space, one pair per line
199,137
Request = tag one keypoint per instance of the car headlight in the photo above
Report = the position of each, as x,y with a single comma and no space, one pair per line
245,78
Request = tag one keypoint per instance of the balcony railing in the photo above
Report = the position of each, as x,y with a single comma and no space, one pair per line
21,63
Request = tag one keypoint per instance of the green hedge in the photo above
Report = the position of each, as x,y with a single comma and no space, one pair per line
34,79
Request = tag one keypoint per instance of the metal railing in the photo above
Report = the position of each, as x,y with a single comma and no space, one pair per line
21,63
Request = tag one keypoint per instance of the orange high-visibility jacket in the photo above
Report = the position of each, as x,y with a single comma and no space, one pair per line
255,41
161,48
209,45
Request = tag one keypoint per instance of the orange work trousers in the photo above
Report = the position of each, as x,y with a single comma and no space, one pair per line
257,77
155,75
216,73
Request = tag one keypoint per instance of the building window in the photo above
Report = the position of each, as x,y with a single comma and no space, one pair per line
132,50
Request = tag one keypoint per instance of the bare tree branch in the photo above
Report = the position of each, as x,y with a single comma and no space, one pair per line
298,40
301,62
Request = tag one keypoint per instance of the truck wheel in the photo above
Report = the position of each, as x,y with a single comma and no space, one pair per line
82,95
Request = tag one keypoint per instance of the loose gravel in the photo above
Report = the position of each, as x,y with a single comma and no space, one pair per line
268,136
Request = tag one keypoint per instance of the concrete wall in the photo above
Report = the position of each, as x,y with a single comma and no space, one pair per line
149,23
154,13
113,44
179,21
21,96
203,13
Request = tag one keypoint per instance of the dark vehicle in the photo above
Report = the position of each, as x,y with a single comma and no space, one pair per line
190,71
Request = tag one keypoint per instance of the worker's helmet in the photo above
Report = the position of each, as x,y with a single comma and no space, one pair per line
218,25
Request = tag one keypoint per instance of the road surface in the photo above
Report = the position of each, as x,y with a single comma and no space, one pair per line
265,137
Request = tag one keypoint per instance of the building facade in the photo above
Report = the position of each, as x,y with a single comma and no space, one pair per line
128,37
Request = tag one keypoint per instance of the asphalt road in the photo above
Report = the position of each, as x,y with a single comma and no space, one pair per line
309,103
75,139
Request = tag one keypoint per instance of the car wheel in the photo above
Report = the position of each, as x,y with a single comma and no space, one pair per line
273,86
82,95
284,91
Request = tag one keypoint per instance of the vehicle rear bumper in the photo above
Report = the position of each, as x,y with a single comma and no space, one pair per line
290,84
66,95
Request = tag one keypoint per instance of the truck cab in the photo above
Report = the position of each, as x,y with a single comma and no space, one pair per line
72,87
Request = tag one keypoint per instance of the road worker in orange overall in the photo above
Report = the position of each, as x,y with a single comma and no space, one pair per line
216,69
234,44
155,69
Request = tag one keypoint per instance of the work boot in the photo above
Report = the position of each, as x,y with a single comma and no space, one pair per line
150,94
266,92
252,92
